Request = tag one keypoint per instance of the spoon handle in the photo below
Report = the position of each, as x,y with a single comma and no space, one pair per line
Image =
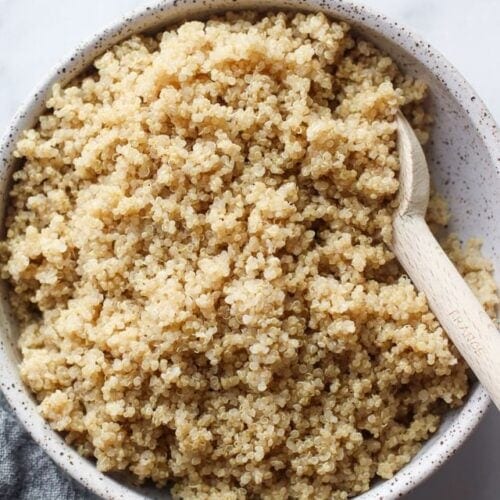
450,299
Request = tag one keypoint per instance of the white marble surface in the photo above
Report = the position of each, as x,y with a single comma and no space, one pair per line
34,34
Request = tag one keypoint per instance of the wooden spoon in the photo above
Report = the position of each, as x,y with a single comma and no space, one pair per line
450,298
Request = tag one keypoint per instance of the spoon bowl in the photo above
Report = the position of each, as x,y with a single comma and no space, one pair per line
450,298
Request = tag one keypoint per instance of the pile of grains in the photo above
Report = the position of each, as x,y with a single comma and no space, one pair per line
198,245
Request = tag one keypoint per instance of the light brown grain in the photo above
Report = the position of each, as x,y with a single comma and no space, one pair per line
198,245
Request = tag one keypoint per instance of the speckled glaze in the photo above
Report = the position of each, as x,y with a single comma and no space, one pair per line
463,154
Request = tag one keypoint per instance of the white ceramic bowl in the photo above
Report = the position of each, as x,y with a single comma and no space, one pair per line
464,157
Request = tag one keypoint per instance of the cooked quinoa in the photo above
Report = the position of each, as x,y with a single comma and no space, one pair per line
198,244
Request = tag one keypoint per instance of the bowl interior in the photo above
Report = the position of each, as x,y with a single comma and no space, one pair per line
462,159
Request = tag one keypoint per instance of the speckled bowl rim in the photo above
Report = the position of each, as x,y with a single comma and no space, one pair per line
139,19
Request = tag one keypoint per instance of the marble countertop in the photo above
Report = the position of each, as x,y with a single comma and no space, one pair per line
35,34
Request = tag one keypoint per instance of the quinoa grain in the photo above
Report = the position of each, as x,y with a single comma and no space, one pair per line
198,248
